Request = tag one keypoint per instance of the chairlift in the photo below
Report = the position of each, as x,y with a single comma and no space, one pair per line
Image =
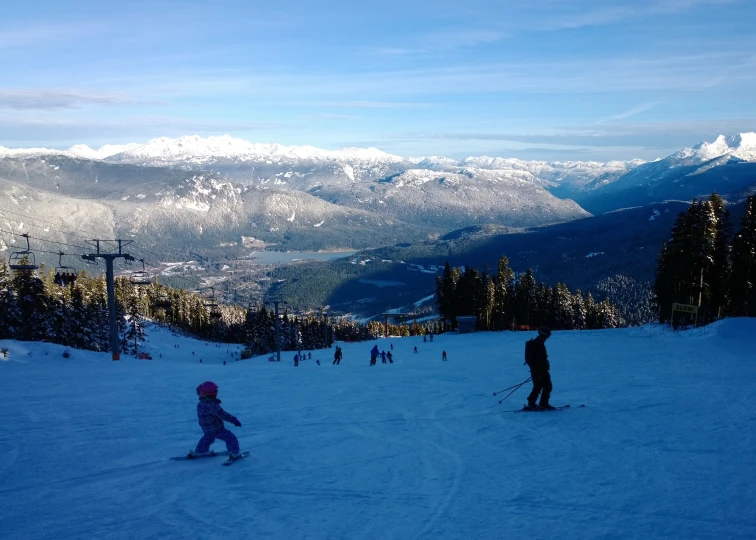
212,305
162,301
23,260
140,277
64,275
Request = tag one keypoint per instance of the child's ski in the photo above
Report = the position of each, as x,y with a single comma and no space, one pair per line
231,460
192,455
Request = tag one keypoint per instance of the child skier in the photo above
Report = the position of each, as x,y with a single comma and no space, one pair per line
211,416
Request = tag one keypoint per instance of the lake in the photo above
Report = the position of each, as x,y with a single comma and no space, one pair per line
282,257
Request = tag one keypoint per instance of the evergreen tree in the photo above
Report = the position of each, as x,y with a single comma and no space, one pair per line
591,313
33,305
525,298
502,294
578,311
722,263
446,293
135,333
562,307
9,314
743,278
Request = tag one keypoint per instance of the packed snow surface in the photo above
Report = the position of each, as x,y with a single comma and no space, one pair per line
418,449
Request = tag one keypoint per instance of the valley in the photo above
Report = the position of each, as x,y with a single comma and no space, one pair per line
332,228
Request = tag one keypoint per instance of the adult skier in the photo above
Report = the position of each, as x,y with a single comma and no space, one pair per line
373,355
211,417
538,362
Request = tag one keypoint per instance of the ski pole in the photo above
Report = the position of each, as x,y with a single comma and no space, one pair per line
515,390
502,391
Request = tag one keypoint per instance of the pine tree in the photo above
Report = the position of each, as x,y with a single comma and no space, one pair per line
578,311
525,298
722,263
9,314
502,295
32,304
135,333
591,314
562,311
743,278
446,292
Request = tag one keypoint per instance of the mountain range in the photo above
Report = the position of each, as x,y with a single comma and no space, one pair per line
217,198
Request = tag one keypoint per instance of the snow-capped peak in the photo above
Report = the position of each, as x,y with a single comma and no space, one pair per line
199,149
86,152
740,145
28,152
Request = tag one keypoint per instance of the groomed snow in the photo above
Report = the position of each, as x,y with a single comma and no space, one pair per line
415,450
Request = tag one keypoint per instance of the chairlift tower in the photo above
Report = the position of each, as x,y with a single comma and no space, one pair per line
109,257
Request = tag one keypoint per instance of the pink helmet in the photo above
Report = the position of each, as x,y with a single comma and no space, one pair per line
207,388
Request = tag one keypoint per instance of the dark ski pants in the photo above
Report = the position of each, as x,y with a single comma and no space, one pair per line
541,383
232,443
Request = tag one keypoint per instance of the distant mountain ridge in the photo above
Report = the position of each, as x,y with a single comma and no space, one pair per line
727,165
217,198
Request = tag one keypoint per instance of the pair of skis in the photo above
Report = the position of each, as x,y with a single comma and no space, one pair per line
229,460
562,408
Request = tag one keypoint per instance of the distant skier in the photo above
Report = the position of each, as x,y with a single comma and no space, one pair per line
415,348
296,359
373,355
430,336
443,356
211,417
383,357
390,357
538,362
337,356
425,339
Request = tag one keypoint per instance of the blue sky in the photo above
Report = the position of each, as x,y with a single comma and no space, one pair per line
538,79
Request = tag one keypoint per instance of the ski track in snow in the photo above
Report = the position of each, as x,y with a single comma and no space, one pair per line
416,450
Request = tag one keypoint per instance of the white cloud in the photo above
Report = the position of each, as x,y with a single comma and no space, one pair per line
630,112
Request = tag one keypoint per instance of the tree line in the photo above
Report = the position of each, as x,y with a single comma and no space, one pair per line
39,306
502,301
704,264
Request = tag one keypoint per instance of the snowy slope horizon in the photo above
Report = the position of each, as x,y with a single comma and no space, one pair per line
418,449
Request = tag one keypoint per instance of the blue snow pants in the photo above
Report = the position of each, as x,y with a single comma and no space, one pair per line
232,443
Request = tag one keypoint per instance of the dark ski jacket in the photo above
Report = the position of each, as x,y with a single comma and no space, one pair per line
536,357
211,415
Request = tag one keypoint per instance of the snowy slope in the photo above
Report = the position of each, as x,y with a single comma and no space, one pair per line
414,450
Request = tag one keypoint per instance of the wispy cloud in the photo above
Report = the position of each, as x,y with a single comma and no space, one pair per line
377,104
63,99
577,16
681,73
42,34
51,129
630,112
444,41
